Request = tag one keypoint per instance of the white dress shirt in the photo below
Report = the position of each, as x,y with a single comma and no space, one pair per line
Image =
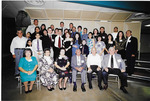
31,29
114,62
78,60
56,40
34,45
17,42
128,40
114,34
94,60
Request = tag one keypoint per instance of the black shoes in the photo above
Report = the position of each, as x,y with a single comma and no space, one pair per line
105,87
74,88
100,87
90,87
124,90
83,88
60,88
64,88
26,92
29,91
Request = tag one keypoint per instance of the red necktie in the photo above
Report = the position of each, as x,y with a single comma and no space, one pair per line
50,38
59,42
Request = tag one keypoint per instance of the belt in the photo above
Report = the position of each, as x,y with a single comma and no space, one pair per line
20,48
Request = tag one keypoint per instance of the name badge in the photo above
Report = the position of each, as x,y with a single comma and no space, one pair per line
103,37
119,60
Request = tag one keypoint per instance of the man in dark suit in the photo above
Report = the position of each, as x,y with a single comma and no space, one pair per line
131,51
84,48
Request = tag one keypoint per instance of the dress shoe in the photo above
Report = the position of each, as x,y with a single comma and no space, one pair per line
26,92
74,88
30,91
124,90
64,88
100,87
90,87
105,87
60,88
50,89
83,89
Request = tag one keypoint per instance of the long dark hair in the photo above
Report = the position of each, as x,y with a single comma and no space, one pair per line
26,49
111,37
79,39
28,41
44,26
117,38
94,30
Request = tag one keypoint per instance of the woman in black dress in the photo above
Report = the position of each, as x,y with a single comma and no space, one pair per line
109,43
62,64
45,40
43,27
68,47
95,34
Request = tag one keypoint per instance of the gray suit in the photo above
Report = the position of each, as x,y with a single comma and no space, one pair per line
121,65
74,71
118,58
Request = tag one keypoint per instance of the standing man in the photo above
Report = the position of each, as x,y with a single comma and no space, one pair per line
58,43
131,51
70,27
16,48
113,64
62,27
78,64
114,34
31,28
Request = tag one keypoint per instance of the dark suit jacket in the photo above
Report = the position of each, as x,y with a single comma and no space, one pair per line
132,47
86,49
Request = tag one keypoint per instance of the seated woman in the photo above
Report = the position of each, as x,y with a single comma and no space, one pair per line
47,74
27,67
61,64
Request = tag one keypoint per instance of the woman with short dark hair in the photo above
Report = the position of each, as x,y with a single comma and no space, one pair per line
27,66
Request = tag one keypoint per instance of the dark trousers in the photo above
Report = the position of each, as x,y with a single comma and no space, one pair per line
122,76
56,53
99,74
130,65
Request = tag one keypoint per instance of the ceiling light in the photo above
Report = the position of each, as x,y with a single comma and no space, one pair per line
147,25
35,2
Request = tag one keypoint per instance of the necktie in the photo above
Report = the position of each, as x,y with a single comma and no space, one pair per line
59,42
38,45
83,50
112,62
50,37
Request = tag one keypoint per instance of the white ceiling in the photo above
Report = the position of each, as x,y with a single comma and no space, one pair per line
64,10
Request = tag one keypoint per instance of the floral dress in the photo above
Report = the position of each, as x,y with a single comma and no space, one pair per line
90,44
99,47
47,78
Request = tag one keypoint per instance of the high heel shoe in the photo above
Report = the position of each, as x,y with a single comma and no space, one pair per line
60,88
64,88
30,91
26,92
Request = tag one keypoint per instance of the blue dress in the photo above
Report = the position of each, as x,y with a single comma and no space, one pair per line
90,44
74,49
28,66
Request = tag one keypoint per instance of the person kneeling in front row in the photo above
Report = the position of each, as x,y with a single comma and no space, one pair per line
113,64
78,64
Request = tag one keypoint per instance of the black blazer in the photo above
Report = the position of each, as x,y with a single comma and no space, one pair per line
86,49
132,47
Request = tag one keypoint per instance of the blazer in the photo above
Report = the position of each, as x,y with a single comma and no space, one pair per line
118,58
131,47
86,49
34,45
74,62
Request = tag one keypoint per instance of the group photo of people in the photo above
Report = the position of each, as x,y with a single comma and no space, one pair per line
59,54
